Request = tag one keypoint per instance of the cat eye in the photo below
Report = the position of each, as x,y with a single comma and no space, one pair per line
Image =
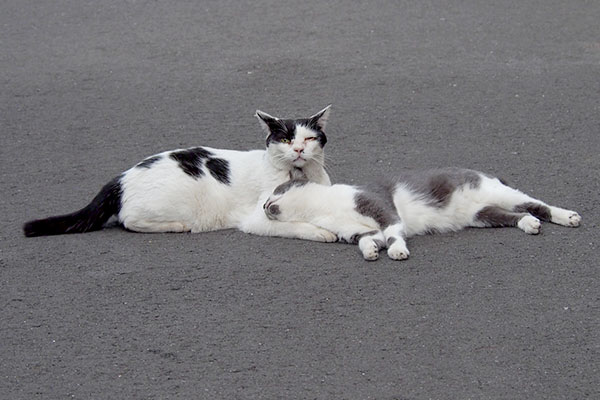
285,140
308,139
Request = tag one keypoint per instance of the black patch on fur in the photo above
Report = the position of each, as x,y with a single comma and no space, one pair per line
147,163
391,241
190,160
372,206
503,181
280,129
90,218
313,124
219,169
537,210
493,216
284,187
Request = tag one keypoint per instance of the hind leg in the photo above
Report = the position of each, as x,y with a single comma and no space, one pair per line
493,216
553,214
514,200
144,226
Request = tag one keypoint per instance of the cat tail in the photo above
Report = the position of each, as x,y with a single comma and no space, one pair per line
90,218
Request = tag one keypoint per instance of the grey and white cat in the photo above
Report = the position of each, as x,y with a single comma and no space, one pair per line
203,189
385,215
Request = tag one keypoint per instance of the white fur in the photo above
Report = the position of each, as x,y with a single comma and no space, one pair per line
369,248
565,217
420,218
163,198
530,224
334,209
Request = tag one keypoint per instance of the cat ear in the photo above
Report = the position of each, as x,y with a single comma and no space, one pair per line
319,120
266,120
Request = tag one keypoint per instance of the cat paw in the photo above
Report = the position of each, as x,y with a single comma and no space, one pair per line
565,217
371,252
369,248
323,235
530,224
398,252
574,219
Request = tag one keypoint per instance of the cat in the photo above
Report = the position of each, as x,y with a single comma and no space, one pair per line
203,189
386,214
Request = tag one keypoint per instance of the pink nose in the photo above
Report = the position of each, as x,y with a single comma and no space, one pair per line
300,150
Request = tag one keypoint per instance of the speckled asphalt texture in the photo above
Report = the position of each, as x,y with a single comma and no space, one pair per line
90,88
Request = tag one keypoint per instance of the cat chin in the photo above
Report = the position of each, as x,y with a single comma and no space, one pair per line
299,163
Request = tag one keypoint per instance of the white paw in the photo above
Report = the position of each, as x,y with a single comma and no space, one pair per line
323,235
574,219
398,251
370,251
530,224
565,217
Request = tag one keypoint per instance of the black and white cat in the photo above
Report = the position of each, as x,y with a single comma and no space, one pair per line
385,215
203,189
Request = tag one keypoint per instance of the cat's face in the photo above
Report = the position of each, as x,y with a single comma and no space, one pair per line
295,142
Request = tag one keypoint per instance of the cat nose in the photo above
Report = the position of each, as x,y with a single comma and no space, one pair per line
299,150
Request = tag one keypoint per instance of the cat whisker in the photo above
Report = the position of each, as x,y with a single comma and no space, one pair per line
323,164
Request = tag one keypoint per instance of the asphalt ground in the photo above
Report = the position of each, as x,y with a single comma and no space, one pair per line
90,88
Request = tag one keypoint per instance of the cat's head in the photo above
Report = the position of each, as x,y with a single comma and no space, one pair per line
294,200
295,142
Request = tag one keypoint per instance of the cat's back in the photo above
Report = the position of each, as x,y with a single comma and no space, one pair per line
436,186
195,163
439,182
198,184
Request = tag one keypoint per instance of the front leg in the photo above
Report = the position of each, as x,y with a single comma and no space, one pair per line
259,224
396,244
370,243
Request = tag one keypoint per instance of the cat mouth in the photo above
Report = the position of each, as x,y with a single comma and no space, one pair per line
299,160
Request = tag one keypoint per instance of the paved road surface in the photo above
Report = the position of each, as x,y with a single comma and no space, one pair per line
90,88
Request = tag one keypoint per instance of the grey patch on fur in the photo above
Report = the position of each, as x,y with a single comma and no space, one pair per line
391,241
383,188
357,236
537,210
372,206
437,185
493,216
297,173
274,209
284,187
379,243
147,163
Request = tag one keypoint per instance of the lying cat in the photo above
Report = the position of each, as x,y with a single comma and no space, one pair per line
203,189
385,215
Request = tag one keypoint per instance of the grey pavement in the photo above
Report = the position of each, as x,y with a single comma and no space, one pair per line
90,88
